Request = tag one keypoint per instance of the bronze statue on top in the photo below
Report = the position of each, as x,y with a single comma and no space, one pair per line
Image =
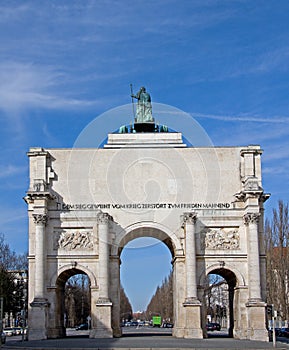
144,106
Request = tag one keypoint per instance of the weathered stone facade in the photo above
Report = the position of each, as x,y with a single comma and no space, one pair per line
205,204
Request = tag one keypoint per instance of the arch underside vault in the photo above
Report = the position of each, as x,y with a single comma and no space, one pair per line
147,229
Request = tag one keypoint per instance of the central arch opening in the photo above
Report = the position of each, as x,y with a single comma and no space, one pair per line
146,279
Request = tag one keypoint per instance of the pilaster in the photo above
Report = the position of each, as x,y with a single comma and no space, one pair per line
103,323
251,222
40,221
103,220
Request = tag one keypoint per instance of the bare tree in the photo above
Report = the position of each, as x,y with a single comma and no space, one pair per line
162,301
277,244
11,288
9,260
125,306
77,299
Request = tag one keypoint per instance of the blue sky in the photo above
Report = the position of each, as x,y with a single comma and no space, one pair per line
63,63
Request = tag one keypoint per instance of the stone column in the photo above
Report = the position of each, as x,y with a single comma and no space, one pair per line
40,256
255,306
191,280
37,317
251,222
102,328
192,304
103,242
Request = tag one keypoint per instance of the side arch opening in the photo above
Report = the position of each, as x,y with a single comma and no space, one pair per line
73,303
219,294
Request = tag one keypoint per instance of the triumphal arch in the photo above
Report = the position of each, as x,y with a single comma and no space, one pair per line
204,203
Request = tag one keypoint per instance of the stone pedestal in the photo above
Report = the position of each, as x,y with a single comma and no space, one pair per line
103,327
115,295
256,321
38,319
193,318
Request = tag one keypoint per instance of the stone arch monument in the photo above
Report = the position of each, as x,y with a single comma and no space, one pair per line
204,203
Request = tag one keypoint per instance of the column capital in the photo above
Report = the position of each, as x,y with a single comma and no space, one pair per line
189,218
251,218
40,219
104,218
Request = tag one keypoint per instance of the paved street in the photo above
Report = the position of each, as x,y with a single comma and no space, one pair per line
142,338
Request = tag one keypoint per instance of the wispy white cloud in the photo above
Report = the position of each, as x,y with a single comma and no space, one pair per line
11,170
9,12
11,215
275,170
25,86
278,151
243,118
273,59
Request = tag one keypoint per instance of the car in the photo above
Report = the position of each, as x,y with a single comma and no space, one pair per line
18,330
213,326
9,331
3,338
82,327
167,325
284,332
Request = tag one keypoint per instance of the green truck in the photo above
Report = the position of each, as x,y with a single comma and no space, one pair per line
157,321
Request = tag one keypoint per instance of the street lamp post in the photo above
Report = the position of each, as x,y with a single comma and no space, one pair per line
23,298
23,312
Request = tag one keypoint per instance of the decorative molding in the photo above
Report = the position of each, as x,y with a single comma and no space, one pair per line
103,218
39,185
192,301
189,218
251,189
251,185
40,219
70,240
253,151
221,238
101,301
251,218
40,302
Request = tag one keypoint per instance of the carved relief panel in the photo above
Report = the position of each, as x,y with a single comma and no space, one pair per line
225,238
73,239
